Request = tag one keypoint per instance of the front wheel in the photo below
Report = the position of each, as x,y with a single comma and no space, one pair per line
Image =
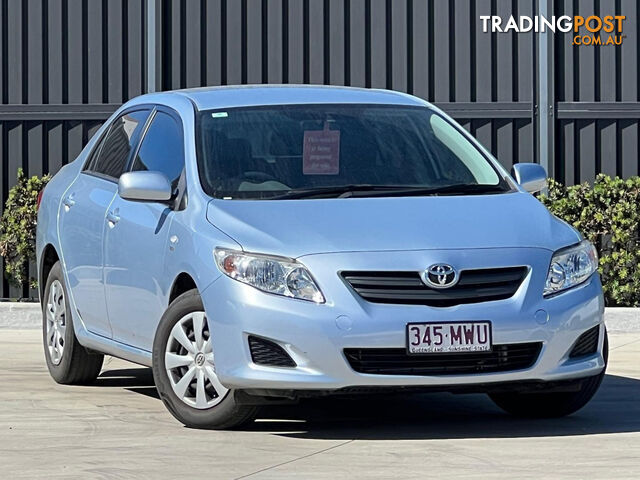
184,369
553,404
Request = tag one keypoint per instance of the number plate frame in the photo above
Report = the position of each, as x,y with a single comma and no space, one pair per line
460,322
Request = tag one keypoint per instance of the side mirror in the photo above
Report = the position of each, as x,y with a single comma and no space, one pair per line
530,176
145,187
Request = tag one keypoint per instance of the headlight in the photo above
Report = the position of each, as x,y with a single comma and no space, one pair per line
269,274
570,267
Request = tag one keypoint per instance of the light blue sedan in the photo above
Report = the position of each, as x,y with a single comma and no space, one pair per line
295,241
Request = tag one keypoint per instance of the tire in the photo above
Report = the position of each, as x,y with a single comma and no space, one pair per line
189,388
68,362
553,404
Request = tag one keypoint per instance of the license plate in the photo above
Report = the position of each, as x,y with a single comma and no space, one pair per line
447,337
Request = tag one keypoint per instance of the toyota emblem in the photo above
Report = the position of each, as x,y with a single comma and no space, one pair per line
440,275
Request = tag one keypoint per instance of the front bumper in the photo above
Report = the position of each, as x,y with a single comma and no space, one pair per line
316,335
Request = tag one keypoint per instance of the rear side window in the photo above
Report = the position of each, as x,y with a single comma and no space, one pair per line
162,148
117,145
93,156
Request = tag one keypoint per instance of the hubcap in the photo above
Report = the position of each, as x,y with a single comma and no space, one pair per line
56,322
189,363
200,360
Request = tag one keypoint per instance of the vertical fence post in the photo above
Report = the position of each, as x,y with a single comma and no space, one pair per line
546,92
543,88
151,46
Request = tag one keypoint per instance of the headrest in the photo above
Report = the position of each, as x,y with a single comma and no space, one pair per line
285,144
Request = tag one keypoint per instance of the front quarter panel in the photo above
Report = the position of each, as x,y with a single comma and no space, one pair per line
192,240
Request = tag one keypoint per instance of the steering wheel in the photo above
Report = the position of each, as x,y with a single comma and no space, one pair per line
259,177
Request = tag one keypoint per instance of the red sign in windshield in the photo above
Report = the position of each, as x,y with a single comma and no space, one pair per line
321,152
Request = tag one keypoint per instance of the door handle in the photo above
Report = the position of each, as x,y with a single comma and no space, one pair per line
113,217
68,202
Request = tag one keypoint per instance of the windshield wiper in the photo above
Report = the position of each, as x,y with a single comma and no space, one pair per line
336,191
363,190
465,188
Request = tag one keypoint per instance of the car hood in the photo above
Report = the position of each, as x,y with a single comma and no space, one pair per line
294,228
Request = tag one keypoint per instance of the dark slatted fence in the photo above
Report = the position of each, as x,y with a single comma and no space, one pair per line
435,50
65,65
596,90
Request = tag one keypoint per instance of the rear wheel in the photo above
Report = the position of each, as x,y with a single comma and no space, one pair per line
553,404
68,361
184,369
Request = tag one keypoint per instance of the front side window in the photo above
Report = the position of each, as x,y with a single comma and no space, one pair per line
314,151
162,149
117,145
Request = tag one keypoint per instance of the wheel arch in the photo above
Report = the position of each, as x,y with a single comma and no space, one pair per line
48,260
183,283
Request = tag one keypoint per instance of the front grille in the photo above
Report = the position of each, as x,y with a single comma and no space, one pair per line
587,343
474,286
396,361
266,352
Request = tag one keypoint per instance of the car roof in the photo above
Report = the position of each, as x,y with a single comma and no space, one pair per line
206,98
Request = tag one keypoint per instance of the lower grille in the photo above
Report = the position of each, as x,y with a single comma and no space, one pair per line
407,288
266,352
587,343
396,361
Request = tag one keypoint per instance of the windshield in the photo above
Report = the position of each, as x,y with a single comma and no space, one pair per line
314,151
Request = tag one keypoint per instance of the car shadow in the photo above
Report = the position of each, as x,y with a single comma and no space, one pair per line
138,380
614,409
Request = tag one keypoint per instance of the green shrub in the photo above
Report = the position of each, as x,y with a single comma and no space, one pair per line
18,228
608,214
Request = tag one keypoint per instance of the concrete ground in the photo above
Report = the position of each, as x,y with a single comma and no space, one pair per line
118,428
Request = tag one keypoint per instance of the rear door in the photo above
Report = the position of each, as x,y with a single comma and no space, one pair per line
136,243
82,218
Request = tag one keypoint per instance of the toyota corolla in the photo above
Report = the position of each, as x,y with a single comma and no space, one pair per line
256,243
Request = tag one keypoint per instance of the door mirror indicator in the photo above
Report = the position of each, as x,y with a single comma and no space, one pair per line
145,186
530,176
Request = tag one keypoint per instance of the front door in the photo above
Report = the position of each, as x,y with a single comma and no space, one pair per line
136,241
